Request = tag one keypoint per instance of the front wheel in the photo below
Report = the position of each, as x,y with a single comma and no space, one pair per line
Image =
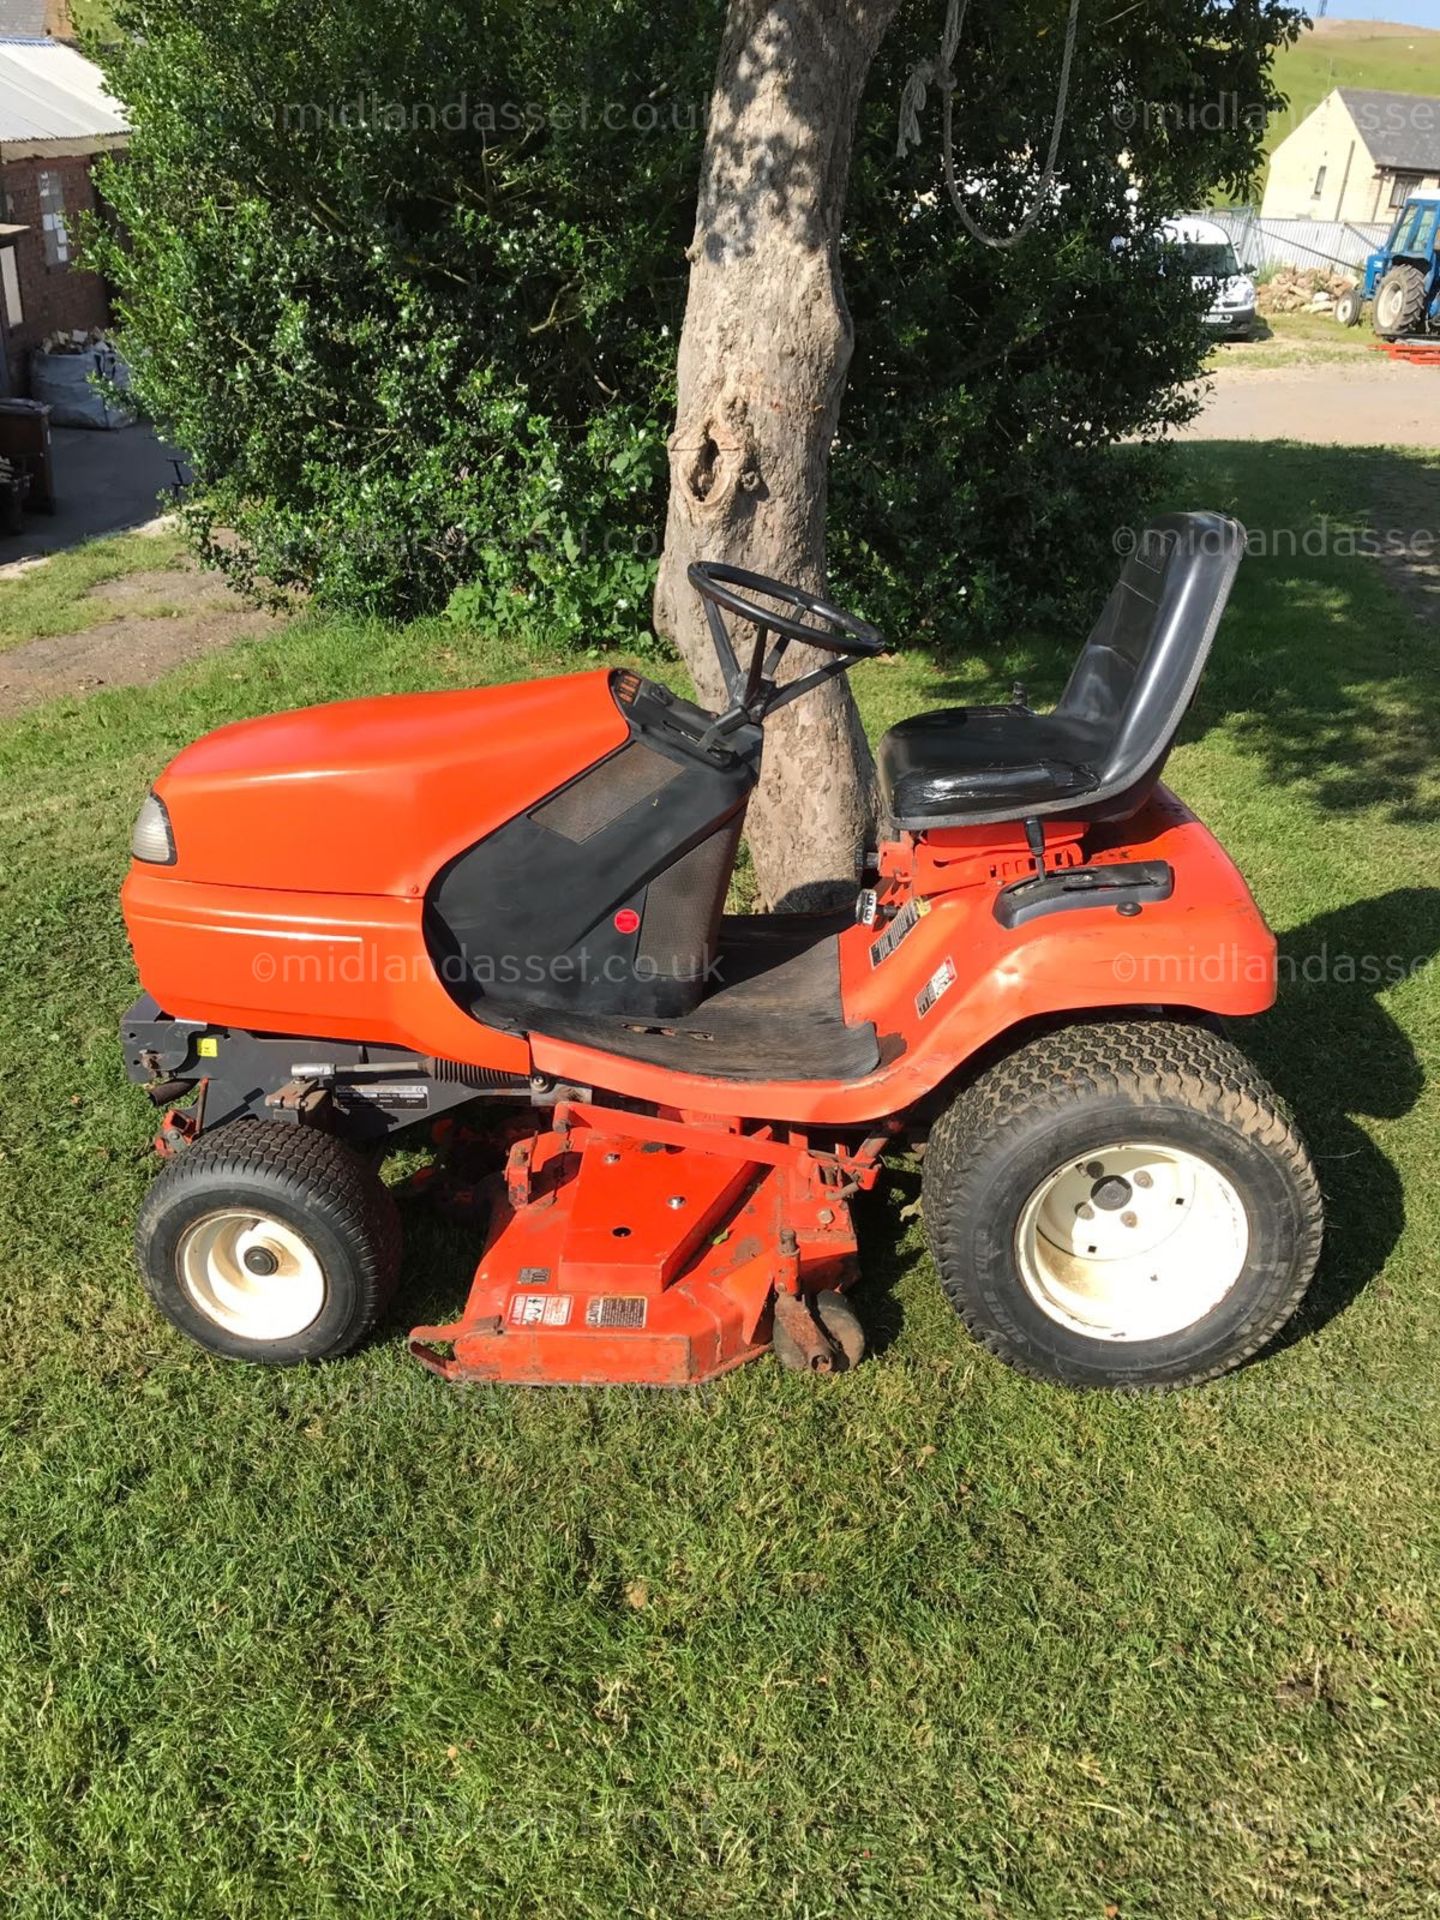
1124,1205
1348,307
269,1243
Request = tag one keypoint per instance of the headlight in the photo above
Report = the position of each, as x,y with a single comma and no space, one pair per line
152,839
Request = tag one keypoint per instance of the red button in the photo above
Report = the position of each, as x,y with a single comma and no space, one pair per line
627,920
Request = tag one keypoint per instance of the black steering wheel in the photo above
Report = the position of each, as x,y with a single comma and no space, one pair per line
841,632
755,693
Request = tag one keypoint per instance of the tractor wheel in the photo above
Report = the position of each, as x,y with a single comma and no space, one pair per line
270,1243
1349,307
1125,1205
1400,303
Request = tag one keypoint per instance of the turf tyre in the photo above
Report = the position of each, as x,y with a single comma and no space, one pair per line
319,1190
1069,1093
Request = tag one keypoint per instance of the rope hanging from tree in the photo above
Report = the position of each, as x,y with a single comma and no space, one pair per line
941,74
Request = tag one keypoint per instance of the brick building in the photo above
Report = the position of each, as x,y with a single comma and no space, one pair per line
55,118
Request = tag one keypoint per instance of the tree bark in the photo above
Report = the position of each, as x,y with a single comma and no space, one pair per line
763,357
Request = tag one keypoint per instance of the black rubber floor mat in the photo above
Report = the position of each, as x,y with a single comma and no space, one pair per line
774,1014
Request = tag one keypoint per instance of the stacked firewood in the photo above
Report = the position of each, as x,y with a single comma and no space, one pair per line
1303,289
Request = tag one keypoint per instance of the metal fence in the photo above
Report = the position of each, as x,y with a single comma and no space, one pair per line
1338,244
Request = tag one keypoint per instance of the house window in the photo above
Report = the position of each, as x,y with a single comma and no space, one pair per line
10,287
52,219
1319,186
1402,184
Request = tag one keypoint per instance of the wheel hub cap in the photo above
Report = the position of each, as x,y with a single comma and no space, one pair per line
1111,1194
253,1275
1136,1242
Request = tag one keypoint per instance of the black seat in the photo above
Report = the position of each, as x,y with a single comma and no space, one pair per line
1101,751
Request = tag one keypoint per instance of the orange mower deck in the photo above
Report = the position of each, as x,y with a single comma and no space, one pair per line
657,1255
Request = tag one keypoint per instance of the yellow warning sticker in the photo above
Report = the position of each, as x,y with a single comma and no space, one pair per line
208,1048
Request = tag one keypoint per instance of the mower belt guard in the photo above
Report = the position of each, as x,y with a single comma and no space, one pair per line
616,1259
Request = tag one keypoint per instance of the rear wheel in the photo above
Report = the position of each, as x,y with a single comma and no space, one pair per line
1400,303
270,1243
1125,1205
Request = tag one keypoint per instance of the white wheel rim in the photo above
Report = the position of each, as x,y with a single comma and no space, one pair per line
1390,304
252,1275
1132,1241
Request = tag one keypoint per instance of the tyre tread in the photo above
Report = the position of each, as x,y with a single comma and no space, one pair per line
1413,312
1145,1060
324,1177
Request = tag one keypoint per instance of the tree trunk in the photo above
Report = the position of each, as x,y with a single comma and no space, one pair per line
762,364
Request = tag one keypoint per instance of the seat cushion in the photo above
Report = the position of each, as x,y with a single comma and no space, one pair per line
944,768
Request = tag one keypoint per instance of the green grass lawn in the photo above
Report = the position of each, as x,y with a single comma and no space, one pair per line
1297,339
924,1639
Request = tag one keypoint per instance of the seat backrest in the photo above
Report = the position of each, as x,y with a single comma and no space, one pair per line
1141,665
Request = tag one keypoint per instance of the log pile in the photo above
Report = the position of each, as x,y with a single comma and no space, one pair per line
1303,289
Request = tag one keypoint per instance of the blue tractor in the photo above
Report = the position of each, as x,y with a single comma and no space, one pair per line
1402,278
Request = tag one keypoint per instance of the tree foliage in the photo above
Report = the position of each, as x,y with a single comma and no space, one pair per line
406,283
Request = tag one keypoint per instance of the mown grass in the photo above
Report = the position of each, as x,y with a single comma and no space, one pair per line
58,595
923,1639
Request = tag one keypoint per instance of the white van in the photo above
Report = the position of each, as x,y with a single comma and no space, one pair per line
1207,253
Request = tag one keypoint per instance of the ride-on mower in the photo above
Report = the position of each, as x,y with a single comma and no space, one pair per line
355,919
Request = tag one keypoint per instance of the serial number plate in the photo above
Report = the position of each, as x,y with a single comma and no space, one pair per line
385,1094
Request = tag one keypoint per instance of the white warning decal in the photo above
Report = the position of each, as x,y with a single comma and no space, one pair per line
939,982
540,1309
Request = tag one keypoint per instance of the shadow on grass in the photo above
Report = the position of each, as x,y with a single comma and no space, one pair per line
1334,1050
887,1253
438,1267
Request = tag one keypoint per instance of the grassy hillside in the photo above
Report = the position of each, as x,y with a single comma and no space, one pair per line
1354,53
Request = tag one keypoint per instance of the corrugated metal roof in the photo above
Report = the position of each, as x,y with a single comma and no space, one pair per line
51,92
1400,129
